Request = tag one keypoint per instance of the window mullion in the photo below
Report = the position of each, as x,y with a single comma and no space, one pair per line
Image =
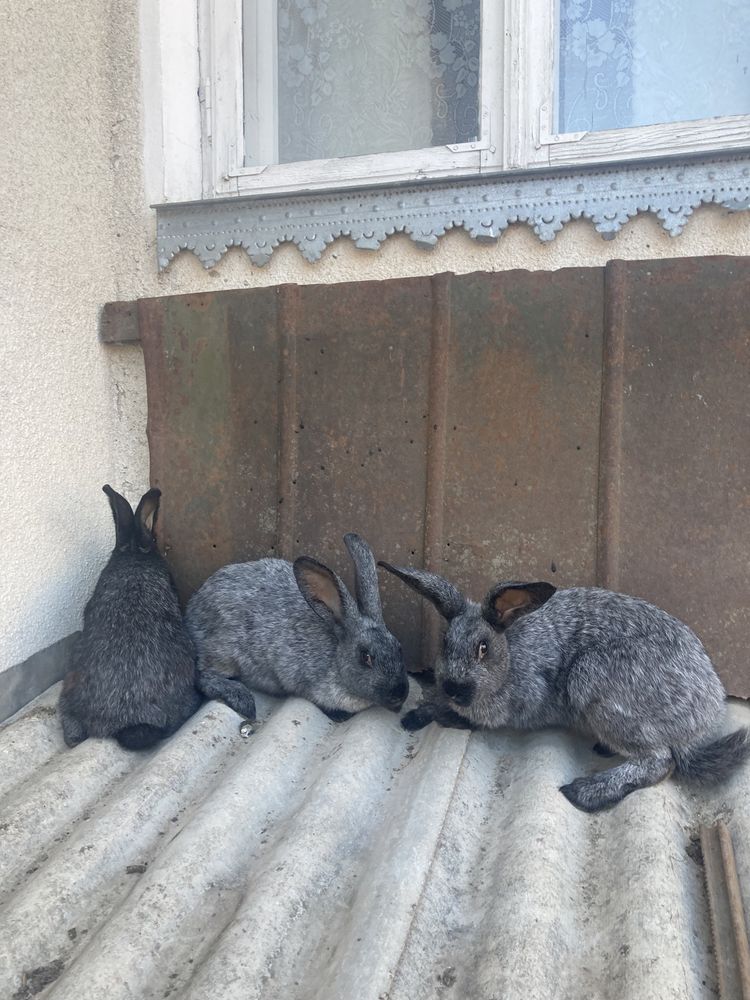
221,84
492,109
529,73
260,34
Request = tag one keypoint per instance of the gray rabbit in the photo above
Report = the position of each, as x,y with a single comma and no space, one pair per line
133,674
615,667
295,630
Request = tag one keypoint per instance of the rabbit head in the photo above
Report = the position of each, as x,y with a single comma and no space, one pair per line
368,660
134,533
473,663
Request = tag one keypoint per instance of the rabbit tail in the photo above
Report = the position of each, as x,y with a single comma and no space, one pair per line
140,737
714,761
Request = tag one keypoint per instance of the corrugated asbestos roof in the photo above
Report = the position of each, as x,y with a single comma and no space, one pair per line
351,861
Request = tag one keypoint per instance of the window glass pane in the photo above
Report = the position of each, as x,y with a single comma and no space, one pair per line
374,76
624,63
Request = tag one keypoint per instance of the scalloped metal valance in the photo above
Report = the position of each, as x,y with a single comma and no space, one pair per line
483,206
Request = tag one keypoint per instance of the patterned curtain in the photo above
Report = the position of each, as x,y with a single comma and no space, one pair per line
624,63
374,76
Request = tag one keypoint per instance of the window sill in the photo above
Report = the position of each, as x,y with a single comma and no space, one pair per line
483,206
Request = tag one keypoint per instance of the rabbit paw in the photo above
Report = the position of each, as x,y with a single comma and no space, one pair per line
418,718
243,703
578,793
337,714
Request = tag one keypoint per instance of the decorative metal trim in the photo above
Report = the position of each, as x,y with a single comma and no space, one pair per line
483,206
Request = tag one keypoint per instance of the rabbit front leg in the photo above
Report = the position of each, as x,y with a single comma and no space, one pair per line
431,711
597,791
232,692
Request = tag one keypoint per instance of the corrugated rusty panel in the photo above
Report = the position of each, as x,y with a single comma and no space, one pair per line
681,469
571,425
316,861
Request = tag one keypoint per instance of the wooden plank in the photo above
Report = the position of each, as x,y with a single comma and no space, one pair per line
118,323
728,925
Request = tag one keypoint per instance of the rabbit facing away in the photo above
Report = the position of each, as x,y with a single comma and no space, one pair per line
613,667
133,674
294,629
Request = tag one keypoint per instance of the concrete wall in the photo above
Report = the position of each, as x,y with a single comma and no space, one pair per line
77,232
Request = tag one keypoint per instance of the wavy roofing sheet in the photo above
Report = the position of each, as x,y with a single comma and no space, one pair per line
345,862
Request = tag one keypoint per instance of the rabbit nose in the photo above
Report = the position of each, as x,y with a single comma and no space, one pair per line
461,693
397,695
400,691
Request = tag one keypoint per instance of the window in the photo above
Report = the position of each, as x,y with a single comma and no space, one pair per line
301,95
361,118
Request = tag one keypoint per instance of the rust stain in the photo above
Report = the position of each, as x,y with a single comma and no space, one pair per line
610,433
288,324
435,459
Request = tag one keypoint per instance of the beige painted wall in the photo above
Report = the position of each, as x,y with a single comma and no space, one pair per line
77,232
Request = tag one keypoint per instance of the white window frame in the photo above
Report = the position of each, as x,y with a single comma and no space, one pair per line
542,146
194,110
220,32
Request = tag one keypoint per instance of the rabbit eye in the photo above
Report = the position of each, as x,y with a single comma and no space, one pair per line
365,658
481,650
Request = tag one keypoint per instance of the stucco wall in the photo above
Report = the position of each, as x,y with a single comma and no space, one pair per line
77,232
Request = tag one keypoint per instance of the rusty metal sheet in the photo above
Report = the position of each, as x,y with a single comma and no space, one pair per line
212,370
679,453
583,425
361,402
523,403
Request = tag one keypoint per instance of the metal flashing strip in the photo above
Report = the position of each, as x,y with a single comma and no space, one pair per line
24,681
483,206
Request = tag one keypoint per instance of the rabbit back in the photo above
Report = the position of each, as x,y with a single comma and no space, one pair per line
134,662
249,620
623,666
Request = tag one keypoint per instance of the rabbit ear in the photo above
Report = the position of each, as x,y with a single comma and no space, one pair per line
449,601
122,512
508,601
145,519
323,591
365,576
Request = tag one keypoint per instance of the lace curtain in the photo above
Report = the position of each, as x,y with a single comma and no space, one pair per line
374,76
624,63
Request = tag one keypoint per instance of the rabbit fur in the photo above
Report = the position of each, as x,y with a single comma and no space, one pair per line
294,629
611,666
133,673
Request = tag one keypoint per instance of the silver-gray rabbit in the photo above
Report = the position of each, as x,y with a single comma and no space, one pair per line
296,630
615,667
133,673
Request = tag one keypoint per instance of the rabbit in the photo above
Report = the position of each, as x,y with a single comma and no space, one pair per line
133,673
614,667
295,630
